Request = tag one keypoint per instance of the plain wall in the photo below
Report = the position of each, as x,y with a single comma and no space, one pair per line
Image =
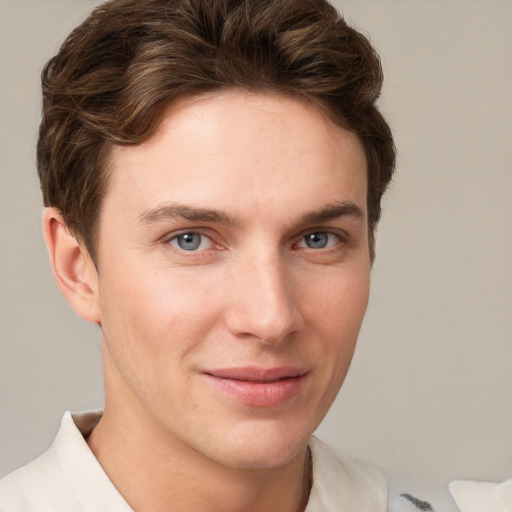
429,395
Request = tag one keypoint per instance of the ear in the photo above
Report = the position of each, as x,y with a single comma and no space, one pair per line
72,266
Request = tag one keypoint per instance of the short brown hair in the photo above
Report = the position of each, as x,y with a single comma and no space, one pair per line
117,72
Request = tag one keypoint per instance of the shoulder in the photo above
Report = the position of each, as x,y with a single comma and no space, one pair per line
341,482
48,483
36,486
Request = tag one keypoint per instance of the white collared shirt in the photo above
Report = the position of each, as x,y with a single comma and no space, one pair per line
69,478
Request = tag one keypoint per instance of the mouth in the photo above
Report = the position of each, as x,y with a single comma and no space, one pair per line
259,387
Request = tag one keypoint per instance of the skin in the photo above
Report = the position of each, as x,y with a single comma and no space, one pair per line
250,177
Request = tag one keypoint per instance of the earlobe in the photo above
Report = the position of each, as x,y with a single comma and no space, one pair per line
72,266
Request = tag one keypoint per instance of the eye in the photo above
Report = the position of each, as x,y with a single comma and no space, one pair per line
319,240
191,241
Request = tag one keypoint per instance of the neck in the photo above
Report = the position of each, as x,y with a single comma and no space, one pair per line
156,472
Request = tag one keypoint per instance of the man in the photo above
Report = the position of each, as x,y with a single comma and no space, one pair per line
212,175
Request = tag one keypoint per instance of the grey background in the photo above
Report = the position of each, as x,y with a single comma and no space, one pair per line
428,398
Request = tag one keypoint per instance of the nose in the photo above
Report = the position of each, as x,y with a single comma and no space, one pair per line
264,301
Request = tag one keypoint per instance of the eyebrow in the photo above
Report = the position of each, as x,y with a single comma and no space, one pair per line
333,211
178,211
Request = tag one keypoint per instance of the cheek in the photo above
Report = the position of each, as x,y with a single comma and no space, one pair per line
339,305
155,318
336,316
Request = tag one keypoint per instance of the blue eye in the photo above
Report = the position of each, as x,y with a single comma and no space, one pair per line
319,240
191,241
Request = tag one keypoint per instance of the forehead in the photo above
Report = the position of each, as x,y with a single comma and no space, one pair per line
238,149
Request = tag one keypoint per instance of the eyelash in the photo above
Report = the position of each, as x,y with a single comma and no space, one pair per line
203,236
330,235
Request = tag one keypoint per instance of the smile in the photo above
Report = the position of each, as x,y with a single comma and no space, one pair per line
259,387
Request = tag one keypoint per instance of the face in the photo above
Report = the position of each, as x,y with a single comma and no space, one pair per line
234,275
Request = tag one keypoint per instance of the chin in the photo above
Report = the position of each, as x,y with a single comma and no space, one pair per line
261,447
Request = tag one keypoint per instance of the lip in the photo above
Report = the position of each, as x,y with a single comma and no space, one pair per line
259,387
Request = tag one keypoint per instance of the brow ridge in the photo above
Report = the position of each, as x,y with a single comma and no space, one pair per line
178,211
333,211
